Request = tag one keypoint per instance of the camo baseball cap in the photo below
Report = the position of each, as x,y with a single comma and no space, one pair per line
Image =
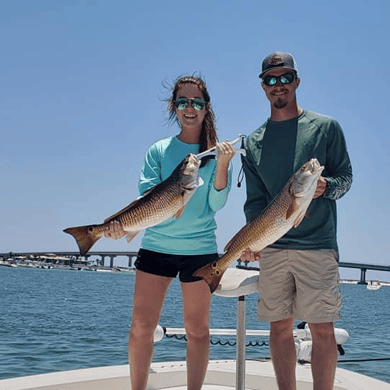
278,60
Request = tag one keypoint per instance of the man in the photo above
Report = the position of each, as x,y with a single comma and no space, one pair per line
299,277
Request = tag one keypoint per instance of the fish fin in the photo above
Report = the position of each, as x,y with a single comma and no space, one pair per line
229,244
131,205
299,219
292,208
85,236
243,231
179,212
210,275
130,236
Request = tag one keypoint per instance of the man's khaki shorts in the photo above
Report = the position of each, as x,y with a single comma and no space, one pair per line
303,284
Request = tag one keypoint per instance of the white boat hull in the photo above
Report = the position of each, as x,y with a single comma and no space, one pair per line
221,375
373,285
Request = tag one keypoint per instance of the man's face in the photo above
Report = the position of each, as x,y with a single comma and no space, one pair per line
280,95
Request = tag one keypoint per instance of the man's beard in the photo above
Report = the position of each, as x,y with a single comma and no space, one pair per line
280,103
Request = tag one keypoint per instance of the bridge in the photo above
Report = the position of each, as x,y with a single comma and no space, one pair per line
364,268
75,256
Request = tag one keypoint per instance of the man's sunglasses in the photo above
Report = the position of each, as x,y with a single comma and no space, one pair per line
287,78
196,103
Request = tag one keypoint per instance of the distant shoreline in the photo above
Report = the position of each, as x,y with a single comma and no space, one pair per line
39,264
55,263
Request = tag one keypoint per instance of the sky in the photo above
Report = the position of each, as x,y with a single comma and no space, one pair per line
82,89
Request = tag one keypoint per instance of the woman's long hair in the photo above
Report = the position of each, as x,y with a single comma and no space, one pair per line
208,135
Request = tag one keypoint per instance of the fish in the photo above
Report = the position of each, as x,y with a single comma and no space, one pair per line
167,199
286,210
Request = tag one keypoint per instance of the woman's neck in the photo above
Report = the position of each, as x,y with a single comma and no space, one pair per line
189,137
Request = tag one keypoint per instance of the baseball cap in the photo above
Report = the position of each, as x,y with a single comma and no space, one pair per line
278,60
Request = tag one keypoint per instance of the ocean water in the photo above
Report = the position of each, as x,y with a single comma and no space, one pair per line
55,320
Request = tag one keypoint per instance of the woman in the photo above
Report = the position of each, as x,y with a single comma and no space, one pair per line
179,246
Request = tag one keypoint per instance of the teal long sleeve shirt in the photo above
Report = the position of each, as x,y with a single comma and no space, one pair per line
194,232
277,150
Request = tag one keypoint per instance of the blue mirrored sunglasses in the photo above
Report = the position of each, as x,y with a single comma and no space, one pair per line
196,103
286,78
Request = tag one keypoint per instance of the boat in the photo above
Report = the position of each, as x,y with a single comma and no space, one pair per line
239,373
373,285
221,375
349,281
7,264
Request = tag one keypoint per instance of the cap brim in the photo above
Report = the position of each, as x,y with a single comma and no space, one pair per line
277,67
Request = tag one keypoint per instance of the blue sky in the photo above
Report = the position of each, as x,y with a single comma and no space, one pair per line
81,100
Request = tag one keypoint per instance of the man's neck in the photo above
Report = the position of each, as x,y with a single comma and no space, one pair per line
284,114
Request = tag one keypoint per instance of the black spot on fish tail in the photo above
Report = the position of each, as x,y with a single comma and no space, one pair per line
210,275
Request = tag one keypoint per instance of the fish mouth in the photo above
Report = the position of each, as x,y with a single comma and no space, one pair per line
309,173
193,163
190,174
315,166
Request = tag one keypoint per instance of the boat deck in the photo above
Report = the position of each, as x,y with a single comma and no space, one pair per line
221,375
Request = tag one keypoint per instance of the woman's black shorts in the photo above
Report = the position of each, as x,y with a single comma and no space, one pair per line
168,265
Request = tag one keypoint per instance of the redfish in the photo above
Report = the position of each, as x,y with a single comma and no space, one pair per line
166,200
286,210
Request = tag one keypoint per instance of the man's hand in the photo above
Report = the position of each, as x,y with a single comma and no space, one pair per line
248,255
321,187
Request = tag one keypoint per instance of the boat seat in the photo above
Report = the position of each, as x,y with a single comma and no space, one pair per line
237,282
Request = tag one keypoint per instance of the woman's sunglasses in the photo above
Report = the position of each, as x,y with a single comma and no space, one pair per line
287,78
196,103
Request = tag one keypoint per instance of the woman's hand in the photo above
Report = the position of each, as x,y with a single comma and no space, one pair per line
225,152
114,230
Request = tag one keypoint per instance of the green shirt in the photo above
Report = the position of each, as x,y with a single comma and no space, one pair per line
194,232
277,150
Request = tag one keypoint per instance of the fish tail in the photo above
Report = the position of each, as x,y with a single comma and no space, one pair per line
85,236
210,275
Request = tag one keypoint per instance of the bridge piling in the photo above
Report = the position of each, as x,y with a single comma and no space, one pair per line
363,276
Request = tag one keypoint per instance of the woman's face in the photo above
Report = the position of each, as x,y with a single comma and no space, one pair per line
190,118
